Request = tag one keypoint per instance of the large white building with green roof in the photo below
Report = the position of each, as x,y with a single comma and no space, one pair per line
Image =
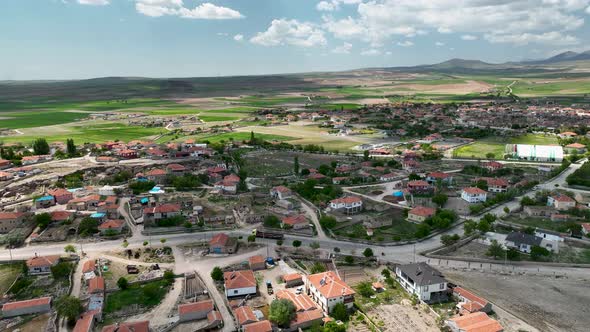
535,152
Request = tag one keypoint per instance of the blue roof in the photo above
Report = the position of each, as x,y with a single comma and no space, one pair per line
398,194
45,198
98,215
144,200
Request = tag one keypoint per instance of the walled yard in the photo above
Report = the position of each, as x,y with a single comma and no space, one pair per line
546,303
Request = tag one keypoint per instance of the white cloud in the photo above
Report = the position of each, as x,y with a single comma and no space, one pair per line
332,5
371,52
588,10
439,44
388,53
405,43
204,11
290,32
343,49
548,38
239,37
225,34
469,37
94,2
377,21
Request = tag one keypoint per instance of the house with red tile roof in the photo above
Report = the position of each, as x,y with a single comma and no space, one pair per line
61,195
127,154
244,315
140,326
469,302
474,322
61,216
292,279
473,195
214,319
196,310
420,213
297,221
327,289
575,148
111,226
348,204
42,264
157,175
561,202
495,185
161,211
27,307
492,166
176,169
96,285
261,326
419,187
10,220
434,177
4,163
239,283
280,192
257,262
301,301
85,323
5,176
222,244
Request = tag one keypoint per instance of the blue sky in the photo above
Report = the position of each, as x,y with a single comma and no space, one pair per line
68,39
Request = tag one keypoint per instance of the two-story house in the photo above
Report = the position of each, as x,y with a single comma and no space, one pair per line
327,290
473,195
348,204
421,279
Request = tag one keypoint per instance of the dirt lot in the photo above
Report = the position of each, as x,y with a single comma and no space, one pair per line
403,317
546,303
36,324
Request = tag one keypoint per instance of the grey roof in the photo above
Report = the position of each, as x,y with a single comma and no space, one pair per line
422,274
519,238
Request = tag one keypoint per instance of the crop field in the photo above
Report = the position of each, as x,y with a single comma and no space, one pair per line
551,87
30,119
481,148
236,136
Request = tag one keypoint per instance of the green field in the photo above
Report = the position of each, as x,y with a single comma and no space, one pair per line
91,134
30,119
480,149
237,136
219,117
134,295
551,88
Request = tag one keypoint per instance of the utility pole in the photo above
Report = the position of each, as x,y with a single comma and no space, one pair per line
414,252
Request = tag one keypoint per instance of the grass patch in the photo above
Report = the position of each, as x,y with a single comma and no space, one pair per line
239,136
497,145
135,295
15,120
219,117
8,274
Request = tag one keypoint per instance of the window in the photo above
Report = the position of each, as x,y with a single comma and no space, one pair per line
235,291
442,286
425,289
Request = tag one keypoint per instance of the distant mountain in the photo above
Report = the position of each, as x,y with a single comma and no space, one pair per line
562,57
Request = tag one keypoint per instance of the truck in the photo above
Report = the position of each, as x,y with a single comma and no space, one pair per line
268,235
269,289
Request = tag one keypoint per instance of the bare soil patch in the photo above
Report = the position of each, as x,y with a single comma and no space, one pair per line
461,88
403,317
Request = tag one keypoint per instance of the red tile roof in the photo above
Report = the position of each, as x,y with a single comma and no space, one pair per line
346,200
239,279
418,183
438,175
474,191
214,316
244,315
302,302
41,261
96,285
163,208
219,240
331,286
201,306
477,322
423,211
156,172
262,326
61,215
292,277
256,259
176,167
59,192
84,323
112,223
26,304
562,198
294,220
282,189
89,266
10,215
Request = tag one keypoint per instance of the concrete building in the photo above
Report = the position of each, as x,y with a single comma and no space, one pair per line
327,290
19,308
42,264
62,196
561,202
551,153
424,281
473,195
10,220
257,263
222,244
420,213
349,204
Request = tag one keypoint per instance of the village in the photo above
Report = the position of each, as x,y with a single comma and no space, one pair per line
262,235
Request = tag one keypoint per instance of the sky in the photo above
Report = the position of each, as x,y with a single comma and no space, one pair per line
77,39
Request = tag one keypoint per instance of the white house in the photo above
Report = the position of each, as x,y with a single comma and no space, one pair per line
280,192
525,242
473,195
549,235
327,290
424,281
239,283
350,204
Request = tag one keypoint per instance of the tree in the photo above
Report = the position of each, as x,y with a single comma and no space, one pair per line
317,267
71,147
252,238
513,254
40,146
296,243
440,199
296,165
490,155
537,253
365,289
88,226
495,250
69,307
217,274
169,276
469,227
61,270
448,240
368,252
162,241
150,291
366,155
70,248
336,249
414,177
43,220
314,245
349,259
484,226
506,210
281,312
482,184
122,283
328,222
334,327
339,312
272,221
